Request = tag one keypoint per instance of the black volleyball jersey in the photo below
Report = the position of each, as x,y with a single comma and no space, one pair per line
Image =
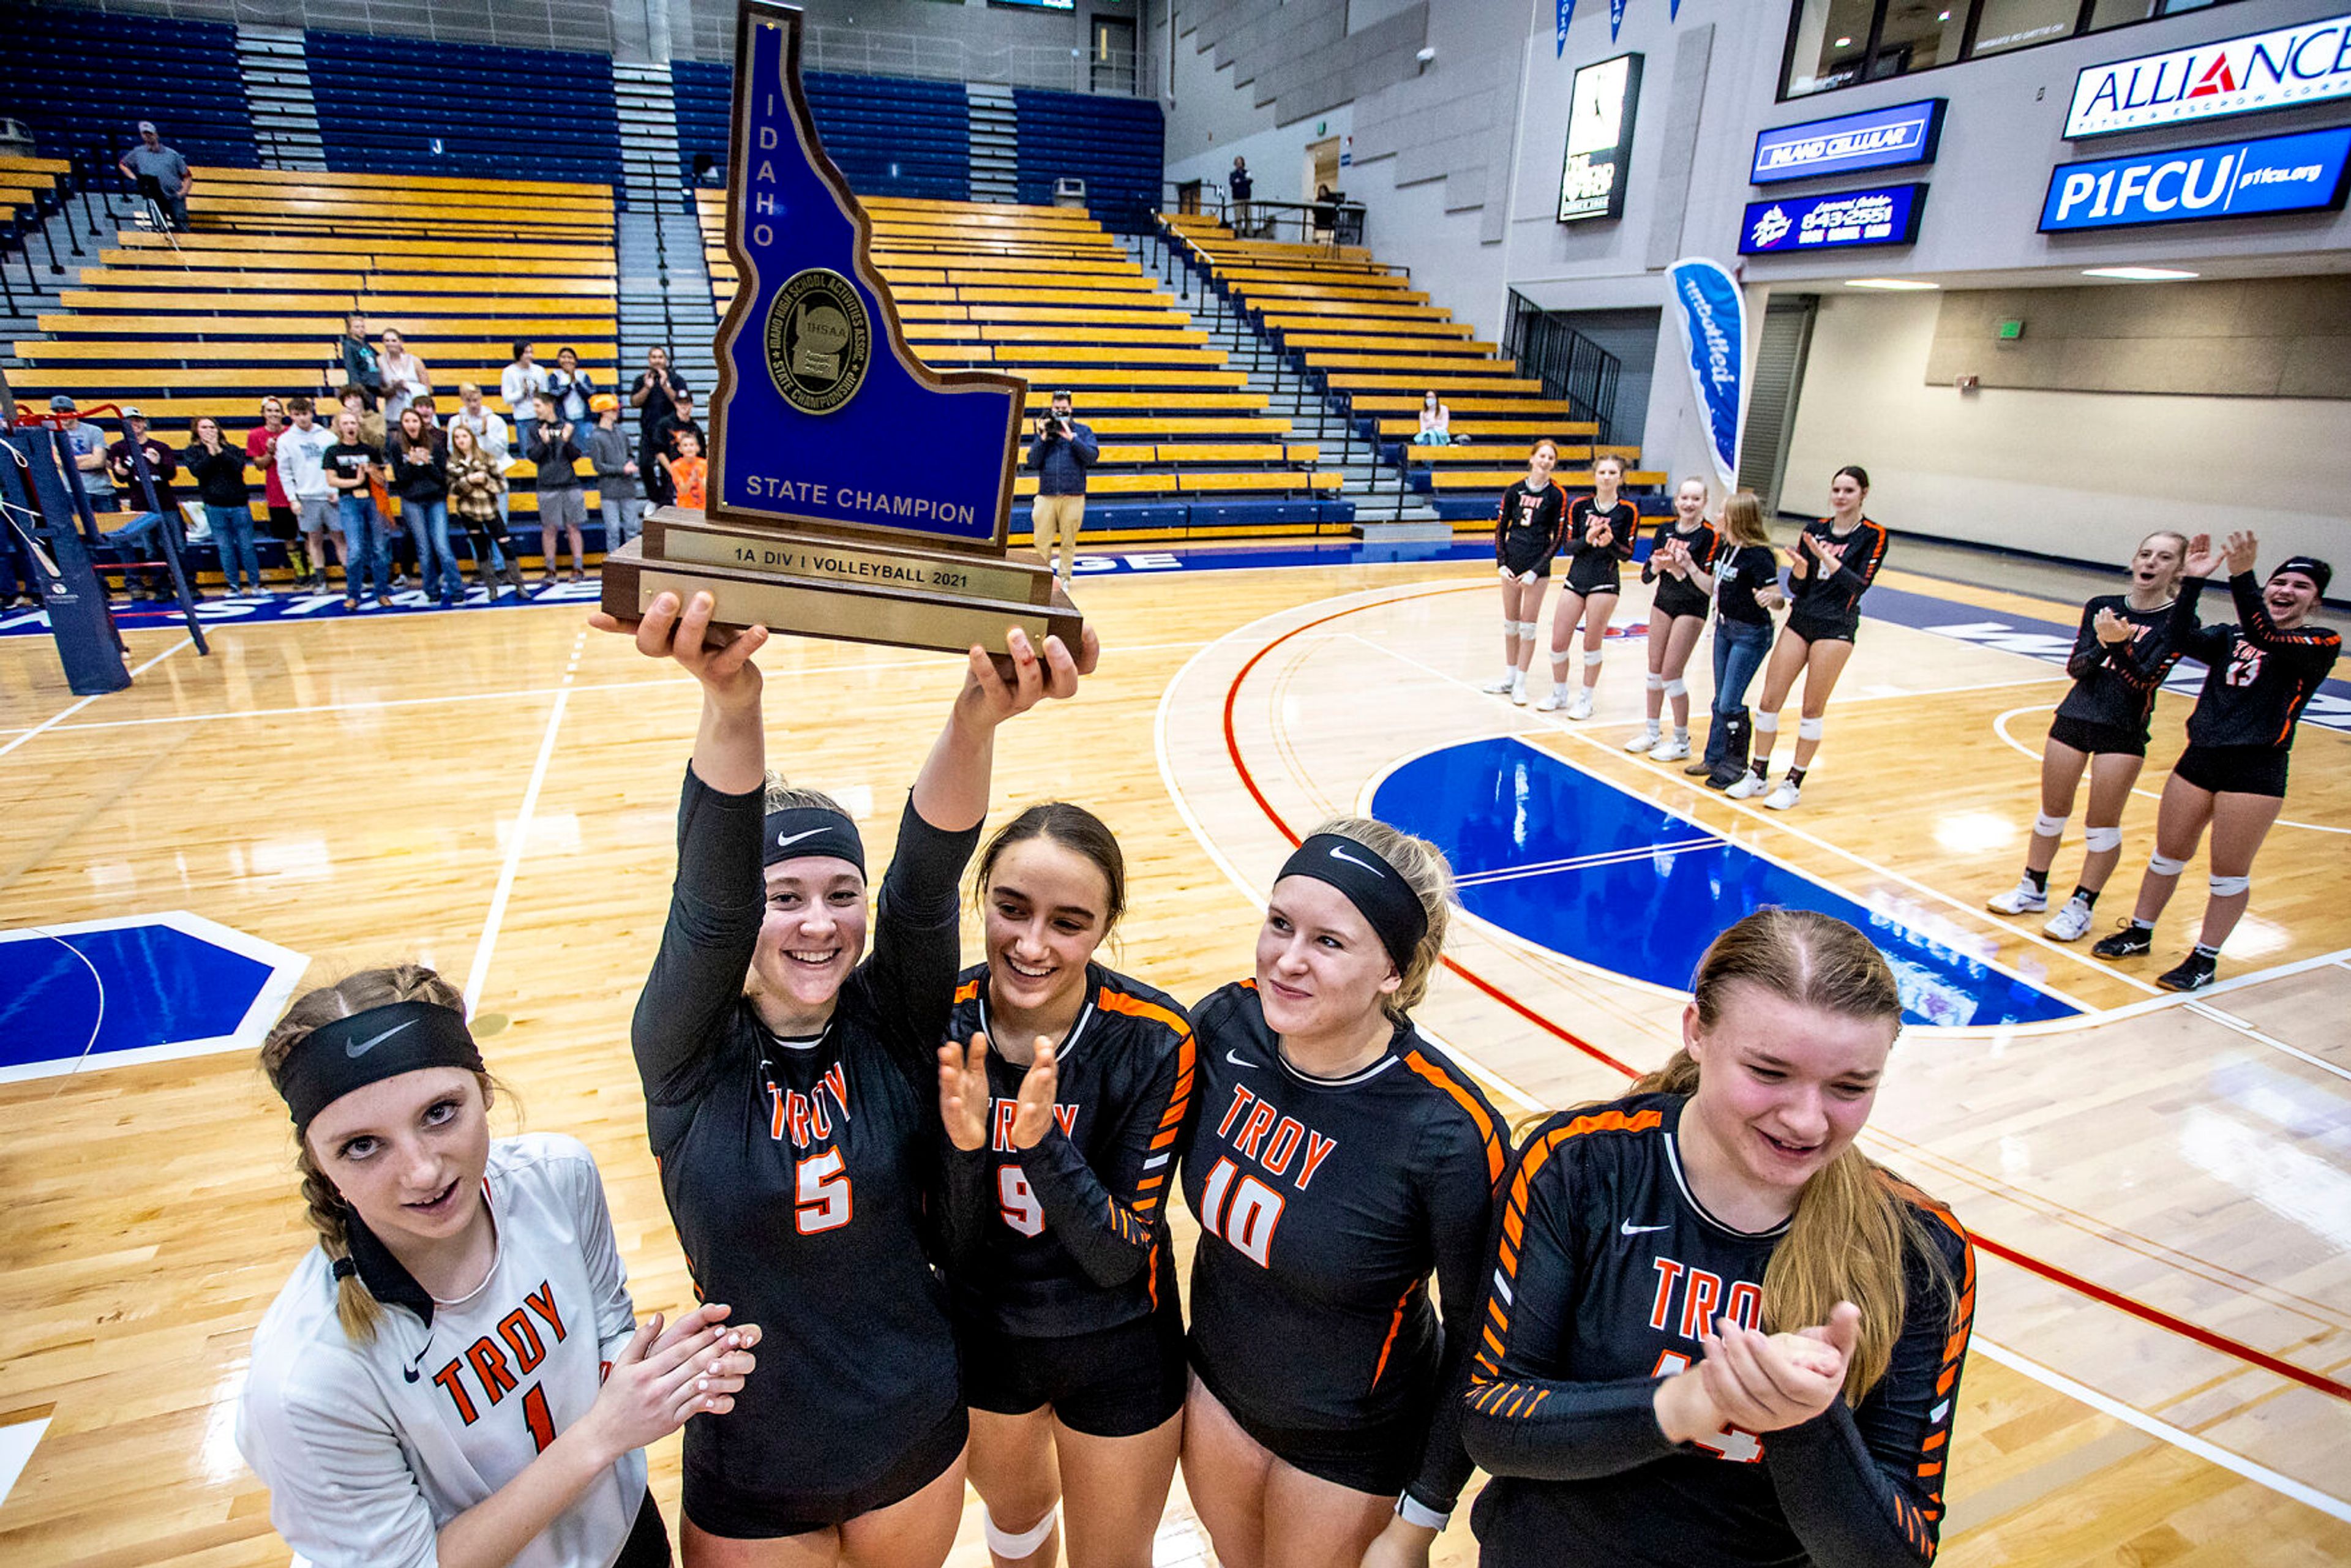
799,1172
1527,524
1676,594
1834,593
1324,1207
1071,1237
2116,686
2257,677
1623,522
1606,1275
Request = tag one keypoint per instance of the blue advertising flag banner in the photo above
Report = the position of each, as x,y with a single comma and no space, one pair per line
1849,219
1615,18
1713,317
1562,17
2299,173
822,415
1878,139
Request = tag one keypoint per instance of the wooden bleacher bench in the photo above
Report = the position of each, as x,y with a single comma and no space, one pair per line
1500,479
1486,453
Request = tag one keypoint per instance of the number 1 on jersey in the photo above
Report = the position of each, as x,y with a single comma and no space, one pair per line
1243,1212
535,1416
1729,1442
821,1187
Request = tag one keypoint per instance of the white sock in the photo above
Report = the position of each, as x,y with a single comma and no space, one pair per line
1510,672
1681,735
1651,729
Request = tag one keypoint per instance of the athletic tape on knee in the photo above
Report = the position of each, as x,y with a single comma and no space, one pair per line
1810,729
2164,865
1591,658
2230,886
2049,827
2100,840
1767,724
1657,682
1528,629
1025,1545
1677,688
1559,663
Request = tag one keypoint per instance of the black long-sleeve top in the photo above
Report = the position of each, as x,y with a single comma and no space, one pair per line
1527,523
799,1171
219,475
2258,676
1835,593
1606,1275
419,474
2115,684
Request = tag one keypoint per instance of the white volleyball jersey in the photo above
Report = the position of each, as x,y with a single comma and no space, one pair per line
369,1449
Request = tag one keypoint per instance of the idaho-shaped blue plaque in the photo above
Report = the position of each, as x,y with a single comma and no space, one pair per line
854,492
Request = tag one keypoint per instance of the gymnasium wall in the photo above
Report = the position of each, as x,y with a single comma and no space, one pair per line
2079,475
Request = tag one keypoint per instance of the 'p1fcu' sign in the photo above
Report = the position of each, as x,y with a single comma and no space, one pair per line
2305,64
2273,174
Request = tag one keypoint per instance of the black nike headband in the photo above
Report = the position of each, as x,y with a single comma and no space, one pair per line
798,830
1376,889
2309,565
368,1047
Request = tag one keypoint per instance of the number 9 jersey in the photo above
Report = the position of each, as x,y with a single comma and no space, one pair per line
1324,1206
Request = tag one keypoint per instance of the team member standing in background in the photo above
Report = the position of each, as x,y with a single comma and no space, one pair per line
1336,1160
1073,1088
1744,583
1685,542
1602,528
1833,563
1722,1197
792,1088
2260,672
455,1272
1526,537
2121,654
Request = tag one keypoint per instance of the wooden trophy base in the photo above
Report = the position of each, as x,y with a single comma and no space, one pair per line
815,586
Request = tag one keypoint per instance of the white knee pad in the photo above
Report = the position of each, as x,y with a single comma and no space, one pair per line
1559,663
2049,827
2230,886
1016,1547
2164,865
1809,730
2099,840
1591,658
1767,724
1657,682
1677,688
1528,629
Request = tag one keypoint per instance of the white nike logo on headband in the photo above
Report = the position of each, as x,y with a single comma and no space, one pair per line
1338,854
359,1048
790,840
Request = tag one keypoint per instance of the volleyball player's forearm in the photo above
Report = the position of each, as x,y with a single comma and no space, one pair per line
1461,1209
1551,1431
1838,1501
951,791
730,748
494,1532
916,933
2088,652
716,907
1108,1240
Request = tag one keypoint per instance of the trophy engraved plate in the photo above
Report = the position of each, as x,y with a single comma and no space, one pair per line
854,492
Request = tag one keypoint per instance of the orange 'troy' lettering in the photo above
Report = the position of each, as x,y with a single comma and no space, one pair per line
1661,1314
1318,1149
1698,1306
1241,1097
454,1387
1067,1116
836,1078
542,1301
1253,1131
1006,1110
1287,1136
490,1367
522,1339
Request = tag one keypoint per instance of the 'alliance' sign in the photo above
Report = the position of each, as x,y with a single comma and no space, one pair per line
2307,64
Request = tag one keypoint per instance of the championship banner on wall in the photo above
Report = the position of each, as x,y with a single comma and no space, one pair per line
1713,317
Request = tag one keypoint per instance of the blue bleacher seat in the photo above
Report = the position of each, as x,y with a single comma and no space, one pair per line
82,80
383,103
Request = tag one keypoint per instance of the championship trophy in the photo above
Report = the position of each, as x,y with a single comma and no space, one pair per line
854,492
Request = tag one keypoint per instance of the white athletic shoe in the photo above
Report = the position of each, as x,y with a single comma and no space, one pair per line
1518,691
1582,707
1748,787
2025,899
2070,924
1553,700
1785,796
1500,684
1646,741
1669,751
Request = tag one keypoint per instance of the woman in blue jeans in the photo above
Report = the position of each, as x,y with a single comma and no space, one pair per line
420,477
218,470
1745,583
350,464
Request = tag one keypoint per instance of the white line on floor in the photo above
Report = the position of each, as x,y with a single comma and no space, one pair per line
517,836
68,712
2000,728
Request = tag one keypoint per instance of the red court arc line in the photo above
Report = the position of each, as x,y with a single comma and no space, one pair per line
2050,1272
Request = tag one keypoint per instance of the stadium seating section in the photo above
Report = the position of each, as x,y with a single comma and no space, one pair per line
408,106
81,79
1187,450
1368,337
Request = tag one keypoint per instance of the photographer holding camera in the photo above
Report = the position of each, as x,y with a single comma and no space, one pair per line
1061,453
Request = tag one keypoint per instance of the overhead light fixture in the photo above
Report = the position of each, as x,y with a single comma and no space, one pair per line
1844,43
2139,274
1896,285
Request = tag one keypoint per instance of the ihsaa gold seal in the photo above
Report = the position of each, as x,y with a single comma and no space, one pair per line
819,341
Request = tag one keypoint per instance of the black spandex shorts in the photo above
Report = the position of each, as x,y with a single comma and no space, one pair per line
1374,1459
720,1509
2097,739
2234,769
1524,555
1822,628
648,1542
1595,571
1676,597
1113,1383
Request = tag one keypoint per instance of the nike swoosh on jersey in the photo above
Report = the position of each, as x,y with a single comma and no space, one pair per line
1237,1060
1629,1229
359,1048
1338,854
787,841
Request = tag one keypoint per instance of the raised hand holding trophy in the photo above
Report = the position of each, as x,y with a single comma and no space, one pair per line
854,492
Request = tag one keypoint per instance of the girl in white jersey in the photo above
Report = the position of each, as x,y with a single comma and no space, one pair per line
454,1375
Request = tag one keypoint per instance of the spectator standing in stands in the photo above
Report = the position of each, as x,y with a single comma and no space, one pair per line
1238,188
261,452
477,499
573,390
353,469
616,474
491,434
218,469
1064,449
405,378
144,530
90,450
688,474
521,382
679,421
361,368
561,503
655,397
300,466
173,179
419,474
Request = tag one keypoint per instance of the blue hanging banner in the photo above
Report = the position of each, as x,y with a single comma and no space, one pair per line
1615,18
1674,11
1565,18
1713,317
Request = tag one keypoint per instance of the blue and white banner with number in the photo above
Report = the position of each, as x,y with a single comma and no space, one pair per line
1887,215
1562,17
1713,317
2300,173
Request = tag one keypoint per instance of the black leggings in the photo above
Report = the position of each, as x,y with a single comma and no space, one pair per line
648,1544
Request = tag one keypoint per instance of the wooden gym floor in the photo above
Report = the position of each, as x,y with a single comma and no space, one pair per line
2161,1187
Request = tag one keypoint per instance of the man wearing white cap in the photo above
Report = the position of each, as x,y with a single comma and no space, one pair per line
170,171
